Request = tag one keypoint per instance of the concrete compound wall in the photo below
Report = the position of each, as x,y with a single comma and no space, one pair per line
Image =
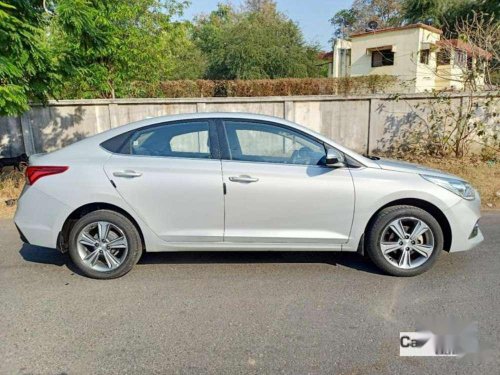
362,123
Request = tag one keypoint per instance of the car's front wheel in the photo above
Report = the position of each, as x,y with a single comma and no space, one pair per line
104,244
404,240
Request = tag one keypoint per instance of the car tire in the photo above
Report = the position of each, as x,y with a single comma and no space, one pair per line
123,258
404,261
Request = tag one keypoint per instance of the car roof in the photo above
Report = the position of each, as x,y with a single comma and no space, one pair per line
197,116
206,115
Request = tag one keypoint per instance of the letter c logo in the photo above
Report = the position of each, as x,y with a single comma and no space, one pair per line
405,344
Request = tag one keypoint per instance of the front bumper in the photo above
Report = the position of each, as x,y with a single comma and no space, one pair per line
464,219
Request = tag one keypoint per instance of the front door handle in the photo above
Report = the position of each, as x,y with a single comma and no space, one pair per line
127,174
243,178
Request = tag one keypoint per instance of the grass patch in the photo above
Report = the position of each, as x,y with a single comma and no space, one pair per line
11,184
484,176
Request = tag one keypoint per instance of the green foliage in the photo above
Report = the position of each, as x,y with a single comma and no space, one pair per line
119,48
122,48
385,12
103,47
442,13
446,13
254,44
344,22
495,78
422,10
26,70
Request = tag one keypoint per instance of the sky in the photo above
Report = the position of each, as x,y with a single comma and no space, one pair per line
311,15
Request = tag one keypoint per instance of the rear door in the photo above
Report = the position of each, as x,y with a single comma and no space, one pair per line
278,189
171,176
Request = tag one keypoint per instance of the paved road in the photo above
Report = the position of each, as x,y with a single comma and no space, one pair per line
292,313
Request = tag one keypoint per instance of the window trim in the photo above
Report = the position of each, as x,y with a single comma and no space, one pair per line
218,142
224,142
212,136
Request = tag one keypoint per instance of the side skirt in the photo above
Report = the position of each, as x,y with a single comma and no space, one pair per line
233,246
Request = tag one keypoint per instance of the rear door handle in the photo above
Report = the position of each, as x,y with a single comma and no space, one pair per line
243,178
127,174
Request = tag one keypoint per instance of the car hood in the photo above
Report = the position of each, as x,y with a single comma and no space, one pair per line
403,166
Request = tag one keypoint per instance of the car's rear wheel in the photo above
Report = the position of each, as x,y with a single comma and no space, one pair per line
104,244
404,240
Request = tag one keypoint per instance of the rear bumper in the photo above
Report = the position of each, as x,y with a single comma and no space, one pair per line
21,235
464,220
39,217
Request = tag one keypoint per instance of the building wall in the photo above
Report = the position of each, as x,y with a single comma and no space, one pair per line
341,66
450,77
425,79
405,45
363,123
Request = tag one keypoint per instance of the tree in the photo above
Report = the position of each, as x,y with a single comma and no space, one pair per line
447,14
258,42
385,12
479,30
105,48
441,127
265,6
26,69
426,10
345,23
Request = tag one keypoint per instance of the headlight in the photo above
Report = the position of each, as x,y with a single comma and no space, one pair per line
459,187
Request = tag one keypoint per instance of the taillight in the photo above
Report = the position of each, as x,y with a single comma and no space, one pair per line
33,173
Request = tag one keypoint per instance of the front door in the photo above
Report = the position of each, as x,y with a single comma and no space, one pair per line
277,188
171,176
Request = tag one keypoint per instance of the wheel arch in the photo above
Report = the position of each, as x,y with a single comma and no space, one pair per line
424,205
63,238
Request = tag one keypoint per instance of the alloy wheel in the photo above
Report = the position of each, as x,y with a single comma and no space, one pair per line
407,242
102,246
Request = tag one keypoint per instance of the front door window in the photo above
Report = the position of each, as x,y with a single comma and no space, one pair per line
262,142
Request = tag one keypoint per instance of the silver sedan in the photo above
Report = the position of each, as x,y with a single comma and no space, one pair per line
230,182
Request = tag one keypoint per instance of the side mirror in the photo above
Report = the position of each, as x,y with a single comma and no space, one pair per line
334,159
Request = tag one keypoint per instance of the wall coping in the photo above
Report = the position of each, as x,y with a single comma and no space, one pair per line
255,99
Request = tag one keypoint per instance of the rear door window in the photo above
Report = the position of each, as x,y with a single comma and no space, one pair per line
179,139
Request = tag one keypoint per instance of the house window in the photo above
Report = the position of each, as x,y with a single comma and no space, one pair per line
382,58
424,56
460,58
470,63
443,58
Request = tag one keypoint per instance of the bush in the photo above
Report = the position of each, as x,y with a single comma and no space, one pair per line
264,87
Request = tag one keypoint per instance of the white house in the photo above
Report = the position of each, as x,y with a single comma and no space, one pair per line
415,54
